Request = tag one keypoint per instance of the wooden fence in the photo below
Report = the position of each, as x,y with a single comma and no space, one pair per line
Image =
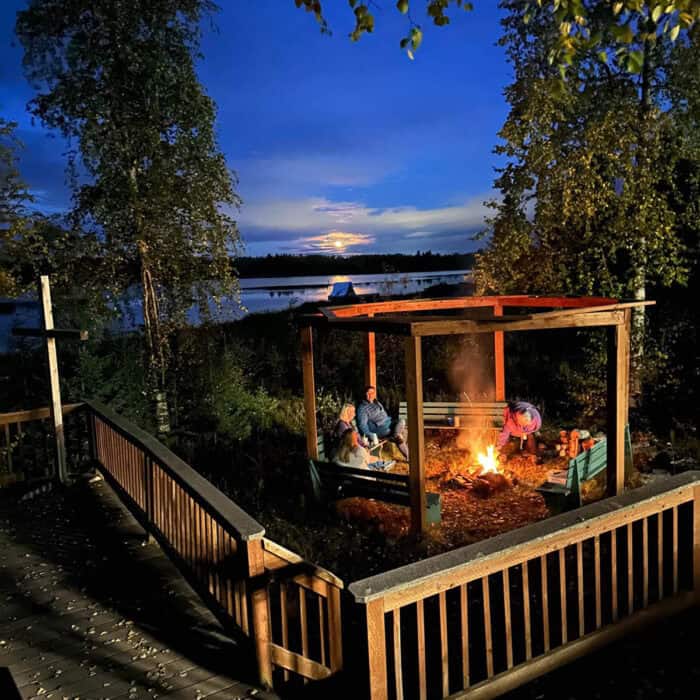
267,592
474,622
483,619
27,448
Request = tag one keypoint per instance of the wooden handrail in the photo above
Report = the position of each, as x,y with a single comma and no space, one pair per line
35,414
279,552
245,527
442,572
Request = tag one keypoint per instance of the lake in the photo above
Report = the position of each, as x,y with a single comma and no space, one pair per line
258,295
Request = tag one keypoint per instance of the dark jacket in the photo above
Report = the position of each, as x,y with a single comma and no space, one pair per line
373,418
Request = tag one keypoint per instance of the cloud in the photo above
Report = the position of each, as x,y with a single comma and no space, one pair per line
321,224
332,242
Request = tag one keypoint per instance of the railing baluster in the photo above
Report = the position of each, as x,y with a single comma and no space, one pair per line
444,650
420,628
464,611
322,630
398,668
545,602
285,624
630,570
526,611
488,633
675,548
645,562
507,618
579,589
562,596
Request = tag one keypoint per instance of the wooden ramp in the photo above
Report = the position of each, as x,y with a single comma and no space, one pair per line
89,610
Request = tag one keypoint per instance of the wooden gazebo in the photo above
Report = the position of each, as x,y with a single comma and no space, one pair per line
416,318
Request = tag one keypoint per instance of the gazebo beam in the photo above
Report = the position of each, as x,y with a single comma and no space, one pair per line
307,369
457,326
416,435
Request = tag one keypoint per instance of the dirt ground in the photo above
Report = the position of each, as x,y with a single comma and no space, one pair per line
471,509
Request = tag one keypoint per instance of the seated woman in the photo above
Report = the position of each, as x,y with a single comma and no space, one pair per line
345,423
352,454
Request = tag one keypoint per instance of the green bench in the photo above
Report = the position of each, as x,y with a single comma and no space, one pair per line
331,481
455,415
563,488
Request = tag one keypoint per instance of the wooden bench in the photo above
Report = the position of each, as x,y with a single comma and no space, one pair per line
563,489
331,481
455,415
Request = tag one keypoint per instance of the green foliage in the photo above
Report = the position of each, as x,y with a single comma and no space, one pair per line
575,24
120,79
14,220
585,205
238,408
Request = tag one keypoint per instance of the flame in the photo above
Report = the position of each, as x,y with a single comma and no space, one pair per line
488,461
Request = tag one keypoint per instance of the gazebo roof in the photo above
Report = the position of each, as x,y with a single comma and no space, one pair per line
484,314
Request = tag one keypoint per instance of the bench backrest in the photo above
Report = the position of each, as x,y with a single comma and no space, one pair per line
591,462
491,411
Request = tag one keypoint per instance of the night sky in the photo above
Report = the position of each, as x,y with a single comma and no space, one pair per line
339,146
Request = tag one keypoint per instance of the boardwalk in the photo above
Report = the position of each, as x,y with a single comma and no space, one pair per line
88,610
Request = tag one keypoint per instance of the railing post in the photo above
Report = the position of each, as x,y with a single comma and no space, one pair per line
262,634
335,629
376,650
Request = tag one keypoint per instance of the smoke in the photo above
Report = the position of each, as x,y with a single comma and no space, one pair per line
472,377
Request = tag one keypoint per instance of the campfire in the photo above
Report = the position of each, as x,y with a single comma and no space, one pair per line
482,475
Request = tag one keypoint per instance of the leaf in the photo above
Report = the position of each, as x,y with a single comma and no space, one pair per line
656,13
673,34
402,6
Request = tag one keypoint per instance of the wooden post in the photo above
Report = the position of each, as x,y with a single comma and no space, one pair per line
262,634
618,390
335,629
499,359
376,651
54,384
416,436
307,367
370,360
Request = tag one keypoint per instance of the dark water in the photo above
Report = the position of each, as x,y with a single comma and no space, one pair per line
258,294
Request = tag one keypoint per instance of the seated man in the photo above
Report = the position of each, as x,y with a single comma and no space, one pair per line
373,421
522,420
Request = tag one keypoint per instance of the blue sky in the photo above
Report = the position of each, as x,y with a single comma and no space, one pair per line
338,145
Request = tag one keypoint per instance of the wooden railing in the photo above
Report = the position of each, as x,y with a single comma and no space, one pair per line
308,639
246,580
26,442
483,619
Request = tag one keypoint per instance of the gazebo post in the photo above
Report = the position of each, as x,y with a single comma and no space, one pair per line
499,358
307,368
416,437
370,359
618,391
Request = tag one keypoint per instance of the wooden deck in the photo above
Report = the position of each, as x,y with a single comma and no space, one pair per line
89,610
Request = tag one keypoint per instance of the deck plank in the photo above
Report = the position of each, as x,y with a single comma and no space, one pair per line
89,609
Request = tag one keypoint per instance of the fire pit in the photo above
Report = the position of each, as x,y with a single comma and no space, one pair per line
484,477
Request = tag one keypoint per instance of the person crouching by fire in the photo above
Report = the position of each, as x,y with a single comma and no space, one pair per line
521,420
